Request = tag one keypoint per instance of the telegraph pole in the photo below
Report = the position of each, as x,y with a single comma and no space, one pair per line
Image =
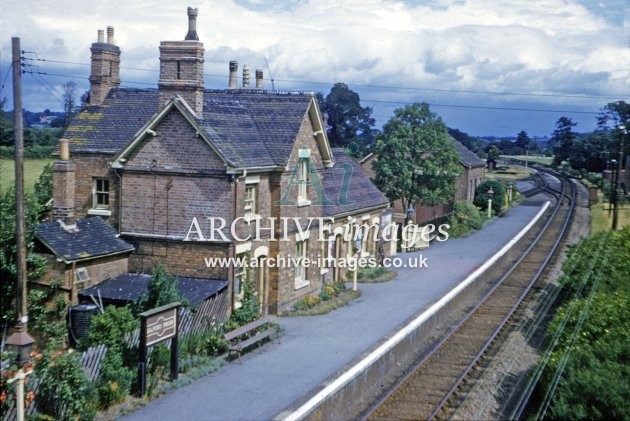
624,131
20,226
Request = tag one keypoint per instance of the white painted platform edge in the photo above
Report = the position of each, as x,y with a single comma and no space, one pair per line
385,347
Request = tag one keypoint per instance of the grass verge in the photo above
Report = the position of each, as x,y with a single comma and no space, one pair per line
601,217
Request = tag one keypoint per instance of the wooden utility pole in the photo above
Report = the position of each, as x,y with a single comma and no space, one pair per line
615,220
20,225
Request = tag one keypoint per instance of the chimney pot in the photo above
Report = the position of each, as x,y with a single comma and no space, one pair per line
245,76
64,150
233,71
259,79
192,25
101,36
110,34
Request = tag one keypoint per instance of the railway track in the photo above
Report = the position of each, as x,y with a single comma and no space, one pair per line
437,385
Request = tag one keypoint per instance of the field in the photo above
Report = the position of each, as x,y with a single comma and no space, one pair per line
32,169
509,172
601,217
541,159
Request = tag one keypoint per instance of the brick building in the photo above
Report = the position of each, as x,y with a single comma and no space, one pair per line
473,173
186,174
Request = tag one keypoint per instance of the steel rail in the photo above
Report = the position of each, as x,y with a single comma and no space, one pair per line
468,316
520,299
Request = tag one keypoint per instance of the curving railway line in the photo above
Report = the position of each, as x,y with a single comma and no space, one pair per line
436,386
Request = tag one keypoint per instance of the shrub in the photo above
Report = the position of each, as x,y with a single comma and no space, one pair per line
307,302
111,327
115,380
481,195
339,287
370,272
64,390
328,291
465,217
250,308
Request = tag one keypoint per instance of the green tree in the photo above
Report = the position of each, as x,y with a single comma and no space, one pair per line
36,265
591,333
69,102
562,140
614,114
494,152
482,196
6,126
347,120
43,188
522,141
416,161
162,289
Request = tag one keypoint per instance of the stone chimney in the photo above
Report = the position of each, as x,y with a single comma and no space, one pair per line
192,25
246,77
63,185
259,79
105,63
233,71
110,35
181,68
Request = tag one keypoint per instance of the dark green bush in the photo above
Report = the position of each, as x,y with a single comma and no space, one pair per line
111,327
65,393
481,195
465,218
115,380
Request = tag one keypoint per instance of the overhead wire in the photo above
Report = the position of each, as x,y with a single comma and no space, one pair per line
559,94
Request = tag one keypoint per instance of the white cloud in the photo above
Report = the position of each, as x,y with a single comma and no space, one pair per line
485,45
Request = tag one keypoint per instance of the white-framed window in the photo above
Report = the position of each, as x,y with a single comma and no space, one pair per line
250,199
303,178
82,275
300,267
240,276
100,193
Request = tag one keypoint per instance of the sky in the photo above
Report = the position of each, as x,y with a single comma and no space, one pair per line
487,67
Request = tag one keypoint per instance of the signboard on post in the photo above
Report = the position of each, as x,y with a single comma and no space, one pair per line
157,325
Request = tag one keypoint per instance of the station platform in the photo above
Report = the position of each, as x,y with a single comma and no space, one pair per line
314,349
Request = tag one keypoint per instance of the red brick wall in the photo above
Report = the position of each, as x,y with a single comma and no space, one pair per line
98,270
89,167
182,258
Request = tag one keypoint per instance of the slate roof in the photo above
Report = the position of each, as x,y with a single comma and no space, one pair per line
467,157
359,194
129,287
249,127
92,238
108,127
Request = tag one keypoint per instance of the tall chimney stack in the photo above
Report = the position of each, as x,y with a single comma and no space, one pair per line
63,185
246,77
181,68
259,79
105,67
192,25
233,70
